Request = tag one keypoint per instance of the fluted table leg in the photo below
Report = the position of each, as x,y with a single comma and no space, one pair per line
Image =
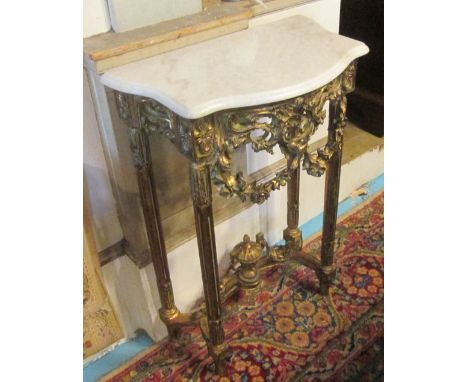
332,189
204,223
142,160
293,235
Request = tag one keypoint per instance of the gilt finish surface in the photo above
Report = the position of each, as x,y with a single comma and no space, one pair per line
209,144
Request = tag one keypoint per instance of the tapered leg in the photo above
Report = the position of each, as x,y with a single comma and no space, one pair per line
142,161
332,188
293,235
204,223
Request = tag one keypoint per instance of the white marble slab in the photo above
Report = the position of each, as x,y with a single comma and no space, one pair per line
260,65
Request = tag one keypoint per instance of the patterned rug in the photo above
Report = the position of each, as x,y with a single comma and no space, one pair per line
288,332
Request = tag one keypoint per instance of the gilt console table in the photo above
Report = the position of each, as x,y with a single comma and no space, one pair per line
267,86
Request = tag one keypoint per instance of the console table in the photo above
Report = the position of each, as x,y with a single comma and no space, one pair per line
265,86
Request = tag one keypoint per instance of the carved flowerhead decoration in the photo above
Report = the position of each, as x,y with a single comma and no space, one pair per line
297,124
203,134
349,77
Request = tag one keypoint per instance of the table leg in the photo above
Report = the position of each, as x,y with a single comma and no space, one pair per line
142,160
293,235
332,188
202,202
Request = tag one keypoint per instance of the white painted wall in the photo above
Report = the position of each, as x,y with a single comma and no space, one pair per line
104,212
95,17
324,12
131,14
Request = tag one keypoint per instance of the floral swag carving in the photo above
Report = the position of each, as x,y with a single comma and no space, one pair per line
289,125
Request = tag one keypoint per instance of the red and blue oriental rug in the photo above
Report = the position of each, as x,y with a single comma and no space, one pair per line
288,332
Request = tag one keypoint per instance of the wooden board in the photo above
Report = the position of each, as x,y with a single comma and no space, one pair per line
113,49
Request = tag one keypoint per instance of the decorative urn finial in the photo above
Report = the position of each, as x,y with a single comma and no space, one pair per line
247,253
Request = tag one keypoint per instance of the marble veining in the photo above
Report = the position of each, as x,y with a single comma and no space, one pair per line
260,65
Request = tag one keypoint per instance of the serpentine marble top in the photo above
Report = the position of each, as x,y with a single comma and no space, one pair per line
260,65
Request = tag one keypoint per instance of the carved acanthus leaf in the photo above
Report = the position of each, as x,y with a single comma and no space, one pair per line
139,148
316,163
123,107
229,185
203,140
288,124
349,77
155,117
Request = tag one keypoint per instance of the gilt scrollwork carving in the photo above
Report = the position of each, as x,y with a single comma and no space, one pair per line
234,130
123,105
204,140
349,78
154,117
289,125
213,140
316,163
140,148
144,116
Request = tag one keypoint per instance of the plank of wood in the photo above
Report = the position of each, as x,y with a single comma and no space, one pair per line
102,65
120,48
